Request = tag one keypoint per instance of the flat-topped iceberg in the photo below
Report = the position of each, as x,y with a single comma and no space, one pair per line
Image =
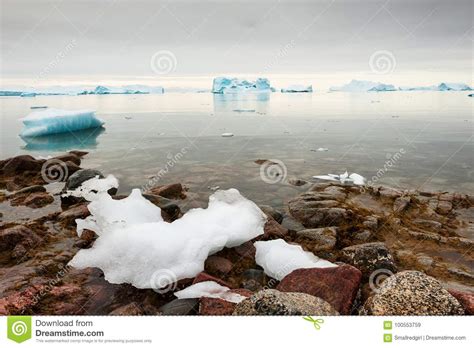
136,246
297,89
453,87
223,85
364,86
54,121
129,89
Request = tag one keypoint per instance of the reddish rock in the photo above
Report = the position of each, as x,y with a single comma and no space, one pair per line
246,250
273,229
129,309
21,164
466,300
22,302
19,234
172,191
217,306
336,285
218,264
77,212
38,200
69,157
204,277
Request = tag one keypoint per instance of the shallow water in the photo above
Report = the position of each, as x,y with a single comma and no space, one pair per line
426,135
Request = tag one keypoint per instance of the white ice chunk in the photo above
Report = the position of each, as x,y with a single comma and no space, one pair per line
278,258
52,121
209,289
363,86
227,135
297,89
344,178
90,188
135,246
449,86
382,87
224,85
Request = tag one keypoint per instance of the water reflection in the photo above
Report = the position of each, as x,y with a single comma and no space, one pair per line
83,139
242,102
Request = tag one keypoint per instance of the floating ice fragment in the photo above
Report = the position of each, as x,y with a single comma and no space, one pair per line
278,258
134,242
344,178
89,189
227,135
209,289
297,89
224,85
322,149
53,121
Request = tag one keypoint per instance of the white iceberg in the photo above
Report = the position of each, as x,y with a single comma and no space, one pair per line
224,85
363,86
53,121
136,246
92,188
128,89
344,178
297,89
278,258
453,87
209,289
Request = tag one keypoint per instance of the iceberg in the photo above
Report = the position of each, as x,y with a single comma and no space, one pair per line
129,89
297,89
223,85
363,86
453,87
54,121
278,258
209,289
344,178
136,246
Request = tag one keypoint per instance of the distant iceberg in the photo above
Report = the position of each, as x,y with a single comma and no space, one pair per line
453,87
224,85
359,86
297,89
130,89
54,121
383,88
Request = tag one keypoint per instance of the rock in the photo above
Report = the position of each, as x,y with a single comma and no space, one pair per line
275,214
273,229
69,157
181,307
323,238
217,306
21,302
172,191
401,203
21,164
253,279
65,300
389,192
77,212
369,257
444,207
425,262
78,153
38,200
411,293
274,302
362,236
246,250
87,237
204,277
19,234
128,309
313,211
371,222
297,182
466,300
435,225
218,265
336,285
28,189
76,179
170,211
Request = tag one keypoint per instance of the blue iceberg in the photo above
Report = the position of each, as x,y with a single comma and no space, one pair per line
54,121
297,89
454,87
223,85
382,87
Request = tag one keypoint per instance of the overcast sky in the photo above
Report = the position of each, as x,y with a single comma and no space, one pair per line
51,42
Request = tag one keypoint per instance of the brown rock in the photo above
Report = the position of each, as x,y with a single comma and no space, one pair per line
217,306
218,264
466,300
369,257
21,164
246,250
323,238
77,212
336,285
273,229
128,309
401,203
69,157
38,200
172,191
444,207
204,277
19,234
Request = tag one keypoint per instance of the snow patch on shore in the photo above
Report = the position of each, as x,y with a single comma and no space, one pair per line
209,289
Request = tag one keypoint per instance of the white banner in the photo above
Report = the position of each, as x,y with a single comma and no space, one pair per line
169,331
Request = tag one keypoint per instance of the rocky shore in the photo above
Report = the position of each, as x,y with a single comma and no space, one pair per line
398,252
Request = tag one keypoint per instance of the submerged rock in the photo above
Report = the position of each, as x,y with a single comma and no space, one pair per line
336,285
412,293
274,302
369,257
171,191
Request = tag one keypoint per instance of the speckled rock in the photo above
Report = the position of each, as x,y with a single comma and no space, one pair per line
412,293
369,257
323,238
274,302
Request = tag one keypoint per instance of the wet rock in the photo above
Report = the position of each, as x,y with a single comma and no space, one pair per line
204,277
38,200
76,179
128,309
78,153
435,225
246,250
19,234
273,229
362,236
171,191
412,293
253,279
297,182
466,299
270,211
425,262
69,157
21,164
28,189
274,302
336,285
323,238
444,207
389,192
369,257
401,203
427,236
87,237
68,299
292,224
21,302
217,306
218,265
181,307
170,211
77,212
371,222
312,211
